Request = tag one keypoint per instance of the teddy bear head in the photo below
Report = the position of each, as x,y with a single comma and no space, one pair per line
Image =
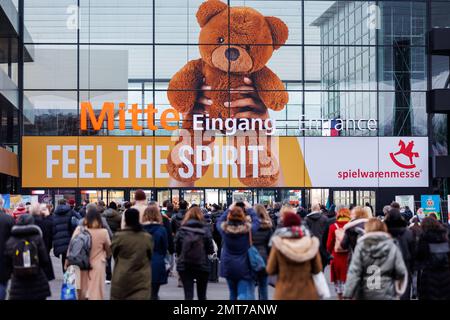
237,39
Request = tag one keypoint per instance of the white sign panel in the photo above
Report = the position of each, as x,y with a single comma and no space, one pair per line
342,162
406,201
367,161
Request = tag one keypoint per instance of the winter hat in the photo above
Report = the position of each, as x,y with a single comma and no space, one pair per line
71,202
25,219
139,195
291,219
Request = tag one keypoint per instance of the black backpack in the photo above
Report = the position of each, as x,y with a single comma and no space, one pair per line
193,247
80,250
26,259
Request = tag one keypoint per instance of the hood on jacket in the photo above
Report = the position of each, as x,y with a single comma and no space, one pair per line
62,209
192,223
376,245
354,223
26,230
110,213
236,228
297,249
314,215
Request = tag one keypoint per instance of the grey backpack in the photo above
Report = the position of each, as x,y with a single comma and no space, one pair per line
80,249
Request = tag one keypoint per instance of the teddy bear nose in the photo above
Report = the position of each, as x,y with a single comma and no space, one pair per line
232,54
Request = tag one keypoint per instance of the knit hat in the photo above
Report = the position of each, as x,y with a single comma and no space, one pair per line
71,202
291,219
139,195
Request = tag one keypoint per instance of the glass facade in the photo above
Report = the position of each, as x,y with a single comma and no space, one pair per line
343,59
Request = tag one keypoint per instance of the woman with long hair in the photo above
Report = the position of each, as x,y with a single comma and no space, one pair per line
132,251
235,226
261,239
193,244
339,263
92,282
152,223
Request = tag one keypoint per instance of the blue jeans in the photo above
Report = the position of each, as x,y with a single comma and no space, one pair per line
263,293
3,287
241,289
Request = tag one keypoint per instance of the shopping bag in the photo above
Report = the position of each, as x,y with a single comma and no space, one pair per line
69,286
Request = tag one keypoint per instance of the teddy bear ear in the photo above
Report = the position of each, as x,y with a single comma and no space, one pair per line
279,31
209,9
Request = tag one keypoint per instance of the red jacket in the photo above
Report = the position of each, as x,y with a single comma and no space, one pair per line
339,263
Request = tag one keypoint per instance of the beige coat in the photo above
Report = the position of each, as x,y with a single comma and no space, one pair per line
92,282
139,206
294,261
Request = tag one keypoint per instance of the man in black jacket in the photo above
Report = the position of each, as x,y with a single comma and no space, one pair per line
317,224
6,224
179,216
63,229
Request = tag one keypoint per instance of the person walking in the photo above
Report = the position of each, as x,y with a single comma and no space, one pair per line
6,224
29,279
397,228
317,223
132,249
376,254
140,204
294,258
43,220
63,229
354,229
152,223
433,256
92,282
177,219
193,244
113,219
261,239
235,229
339,263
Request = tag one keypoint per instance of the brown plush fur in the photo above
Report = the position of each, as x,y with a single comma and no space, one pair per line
250,38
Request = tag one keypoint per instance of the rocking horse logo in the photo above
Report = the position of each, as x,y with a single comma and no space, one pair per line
407,151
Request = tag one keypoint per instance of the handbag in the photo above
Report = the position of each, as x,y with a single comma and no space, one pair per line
69,288
321,285
257,263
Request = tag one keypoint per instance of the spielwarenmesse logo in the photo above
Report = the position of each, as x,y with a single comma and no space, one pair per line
407,151
403,158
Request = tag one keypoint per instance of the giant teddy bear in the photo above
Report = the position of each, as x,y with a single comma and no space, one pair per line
234,42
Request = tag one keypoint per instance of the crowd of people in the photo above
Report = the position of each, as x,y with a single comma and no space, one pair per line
135,247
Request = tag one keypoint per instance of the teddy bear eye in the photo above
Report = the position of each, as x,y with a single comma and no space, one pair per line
220,40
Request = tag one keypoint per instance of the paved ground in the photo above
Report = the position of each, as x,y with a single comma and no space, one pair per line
216,291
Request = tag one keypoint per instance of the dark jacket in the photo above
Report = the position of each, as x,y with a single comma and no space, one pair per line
34,287
168,226
317,224
407,244
6,223
208,245
235,244
62,229
177,219
433,281
131,278
353,230
262,237
113,218
46,226
159,235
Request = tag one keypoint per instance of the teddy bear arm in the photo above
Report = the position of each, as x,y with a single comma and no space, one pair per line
271,89
184,85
